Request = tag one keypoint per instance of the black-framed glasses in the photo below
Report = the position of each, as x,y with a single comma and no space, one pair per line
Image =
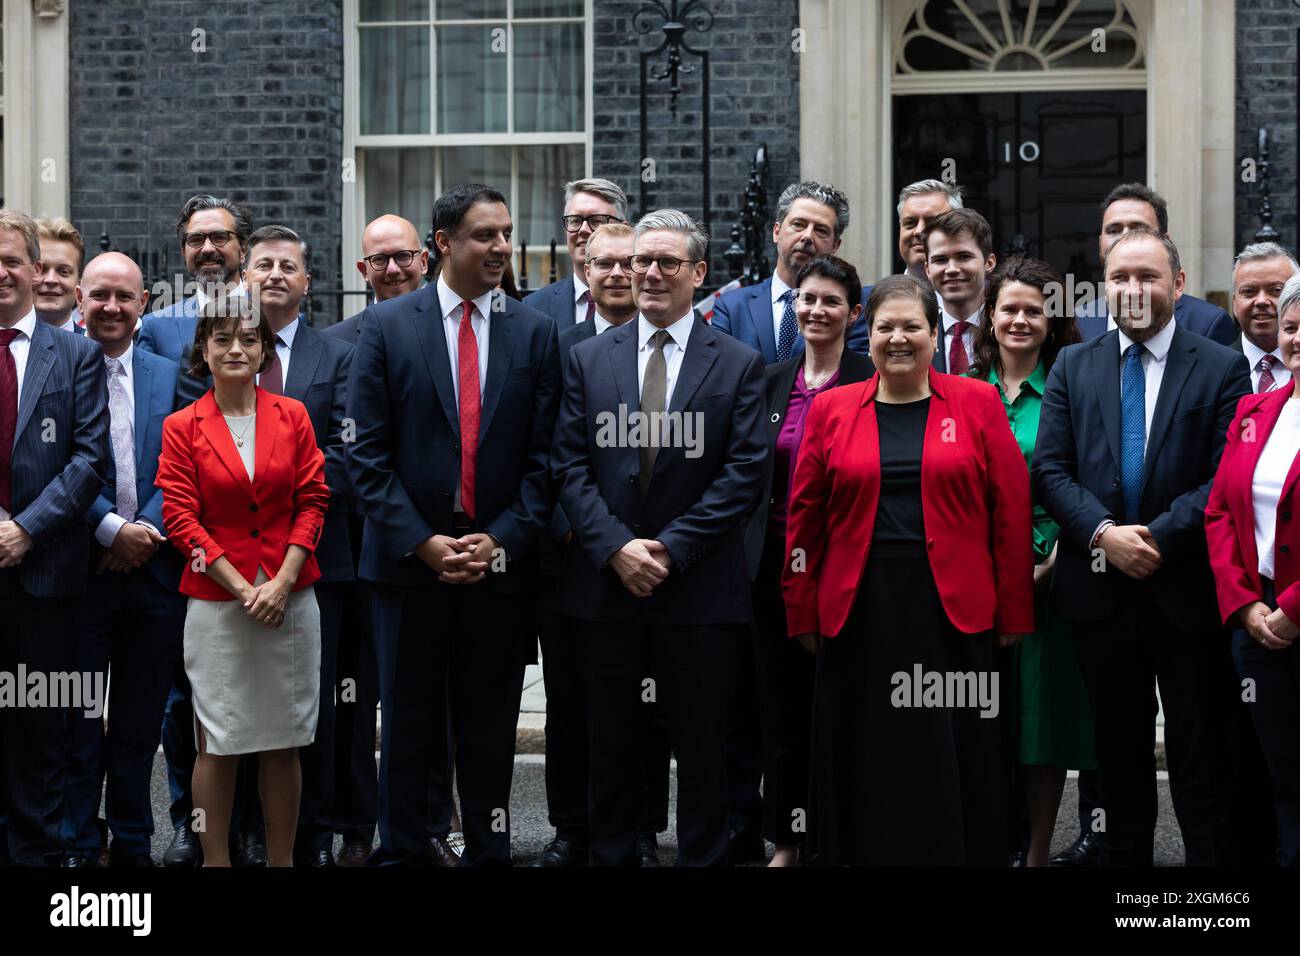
605,265
574,223
379,261
218,237
668,265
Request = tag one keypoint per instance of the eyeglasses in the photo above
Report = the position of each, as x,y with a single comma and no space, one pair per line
603,264
379,261
218,238
667,264
574,223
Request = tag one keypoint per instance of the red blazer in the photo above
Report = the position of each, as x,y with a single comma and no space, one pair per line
209,503
974,498
1230,513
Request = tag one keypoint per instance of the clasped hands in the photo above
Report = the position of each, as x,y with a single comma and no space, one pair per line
15,542
463,560
1271,628
265,602
133,545
1131,548
642,565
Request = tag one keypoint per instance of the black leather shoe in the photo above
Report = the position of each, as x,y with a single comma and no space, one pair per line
648,846
354,853
77,860
129,859
1085,851
249,850
185,849
439,852
1017,859
745,846
562,853
314,858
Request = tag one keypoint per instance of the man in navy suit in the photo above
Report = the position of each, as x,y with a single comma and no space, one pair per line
453,391
810,221
54,459
659,457
313,368
1135,206
393,262
1132,427
133,615
55,295
212,233
588,205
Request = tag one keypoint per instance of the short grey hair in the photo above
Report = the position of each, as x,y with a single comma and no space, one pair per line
611,192
1259,251
1290,296
925,187
825,194
697,238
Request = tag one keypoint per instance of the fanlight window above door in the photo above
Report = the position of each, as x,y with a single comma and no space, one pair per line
1019,36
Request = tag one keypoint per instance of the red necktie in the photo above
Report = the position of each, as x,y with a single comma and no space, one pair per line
958,363
272,380
591,305
471,407
1266,381
8,414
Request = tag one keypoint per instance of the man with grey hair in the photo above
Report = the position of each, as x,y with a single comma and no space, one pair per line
1258,278
919,204
810,221
588,205
658,461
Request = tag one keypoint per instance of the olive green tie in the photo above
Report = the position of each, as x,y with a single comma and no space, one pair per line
653,401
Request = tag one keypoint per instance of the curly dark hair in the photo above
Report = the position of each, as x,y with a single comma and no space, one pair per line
1061,328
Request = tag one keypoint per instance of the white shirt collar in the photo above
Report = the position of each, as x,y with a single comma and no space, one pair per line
579,287
779,288
67,325
976,320
1254,353
602,323
27,324
1157,345
449,301
679,331
289,331
201,295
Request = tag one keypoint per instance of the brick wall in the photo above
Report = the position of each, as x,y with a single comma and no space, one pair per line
754,100
258,117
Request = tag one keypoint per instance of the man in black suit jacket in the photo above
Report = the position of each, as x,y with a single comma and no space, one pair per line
588,205
54,427
313,368
453,391
1130,435
659,517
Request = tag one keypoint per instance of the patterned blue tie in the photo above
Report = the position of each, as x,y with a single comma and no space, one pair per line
1133,433
789,327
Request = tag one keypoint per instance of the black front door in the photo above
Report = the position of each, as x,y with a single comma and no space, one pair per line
1037,165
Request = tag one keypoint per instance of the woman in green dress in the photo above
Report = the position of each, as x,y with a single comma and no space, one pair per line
1028,326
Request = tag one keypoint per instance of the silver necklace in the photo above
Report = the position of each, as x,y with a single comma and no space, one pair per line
239,436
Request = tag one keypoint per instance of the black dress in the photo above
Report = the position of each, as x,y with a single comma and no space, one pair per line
900,785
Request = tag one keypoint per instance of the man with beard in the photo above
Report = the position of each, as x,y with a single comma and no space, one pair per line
959,259
810,221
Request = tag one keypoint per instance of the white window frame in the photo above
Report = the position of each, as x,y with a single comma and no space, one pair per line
355,145
35,107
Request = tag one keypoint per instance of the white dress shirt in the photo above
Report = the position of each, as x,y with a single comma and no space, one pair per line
284,349
67,325
450,303
1270,475
19,349
1253,353
112,522
967,337
601,323
1153,366
679,333
779,288
202,298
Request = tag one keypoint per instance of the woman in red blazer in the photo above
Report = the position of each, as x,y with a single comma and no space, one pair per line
1252,526
911,546
244,499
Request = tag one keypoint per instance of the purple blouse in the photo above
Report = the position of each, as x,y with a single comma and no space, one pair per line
787,447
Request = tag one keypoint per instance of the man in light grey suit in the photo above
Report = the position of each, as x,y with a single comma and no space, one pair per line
54,459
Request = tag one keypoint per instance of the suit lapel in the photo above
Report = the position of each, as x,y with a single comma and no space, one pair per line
759,304
304,358
1262,419
143,376
40,359
268,430
1178,365
622,359
217,432
701,353
500,351
1105,375
940,361
426,323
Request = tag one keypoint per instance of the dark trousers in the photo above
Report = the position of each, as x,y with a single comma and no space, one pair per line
459,650
316,810
1122,658
694,673
785,674
745,745
39,634
135,626
1274,710
565,669
1090,801
356,777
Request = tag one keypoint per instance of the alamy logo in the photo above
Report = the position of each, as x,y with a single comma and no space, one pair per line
73,690
73,909
946,689
637,429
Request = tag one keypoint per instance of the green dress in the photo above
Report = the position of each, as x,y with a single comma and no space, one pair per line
1055,719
